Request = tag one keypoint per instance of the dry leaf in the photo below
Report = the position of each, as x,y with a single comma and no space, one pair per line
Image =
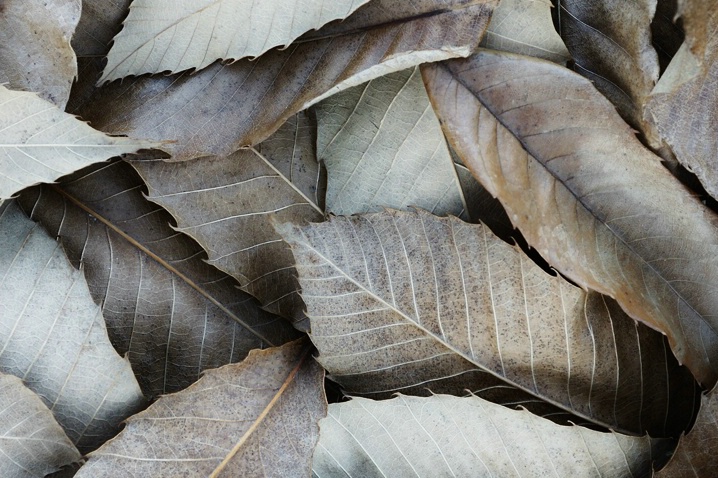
443,435
586,194
99,23
383,147
224,107
40,143
32,444
407,301
53,336
170,312
256,418
163,35
35,52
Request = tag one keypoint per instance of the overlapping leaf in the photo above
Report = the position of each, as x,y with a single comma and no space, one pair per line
443,435
525,27
408,301
173,314
163,35
610,42
224,107
226,204
696,453
684,104
585,193
53,336
99,23
383,147
32,444
667,35
40,143
35,52
256,418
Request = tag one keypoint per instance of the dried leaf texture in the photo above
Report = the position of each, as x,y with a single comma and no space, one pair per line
224,107
100,21
40,143
443,435
684,104
257,418
32,444
163,35
35,51
525,27
227,204
383,147
696,454
610,42
53,336
173,314
699,22
402,301
586,194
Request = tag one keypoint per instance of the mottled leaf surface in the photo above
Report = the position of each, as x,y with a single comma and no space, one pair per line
610,42
443,435
164,35
586,194
32,444
40,143
52,335
171,312
525,27
35,52
224,107
383,147
257,418
407,301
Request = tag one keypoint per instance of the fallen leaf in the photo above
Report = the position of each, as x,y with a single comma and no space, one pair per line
170,312
35,52
407,301
224,107
383,147
256,418
586,194
53,335
40,143
32,444
162,35
99,23
525,27
443,435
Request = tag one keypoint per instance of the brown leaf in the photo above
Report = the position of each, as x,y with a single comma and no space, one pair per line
684,104
173,314
586,194
224,107
697,452
53,335
699,17
610,42
100,21
407,302
32,444
256,418
226,204
35,52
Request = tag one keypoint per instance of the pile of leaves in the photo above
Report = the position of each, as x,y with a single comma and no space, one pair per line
489,223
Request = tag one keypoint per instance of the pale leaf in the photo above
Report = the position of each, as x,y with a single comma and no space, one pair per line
525,27
383,147
35,52
40,143
257,418
224,107
402,302
32,444
52,335
443,435
169,311
585,193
